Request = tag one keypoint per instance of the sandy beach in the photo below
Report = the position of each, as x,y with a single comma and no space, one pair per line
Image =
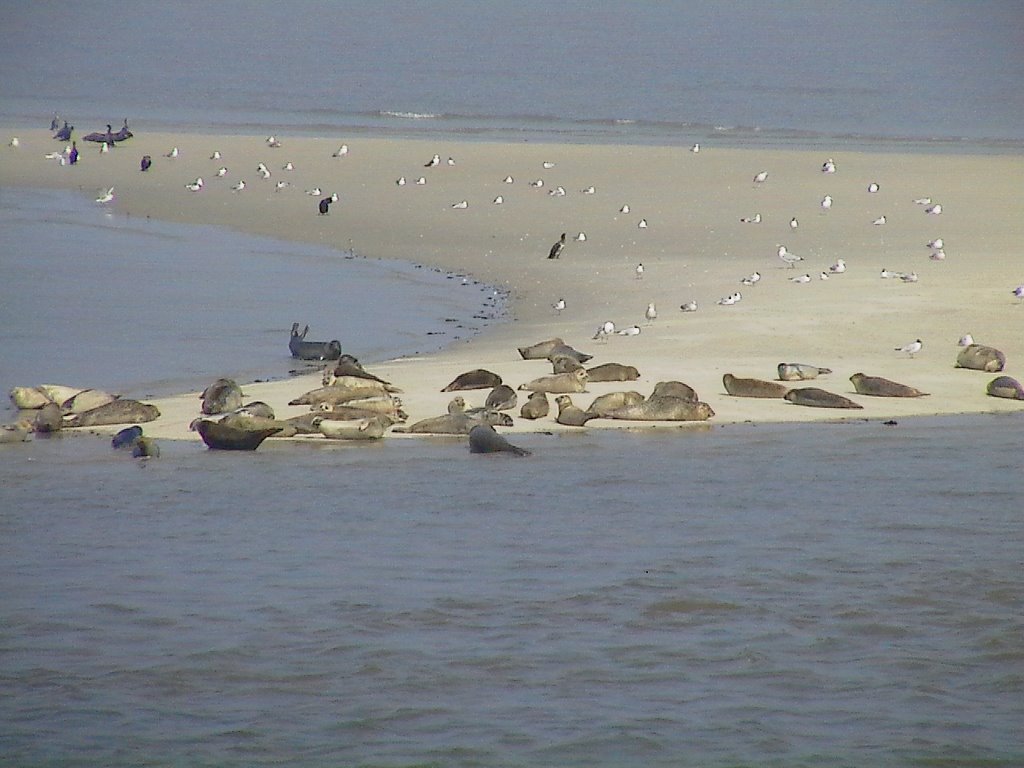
694,247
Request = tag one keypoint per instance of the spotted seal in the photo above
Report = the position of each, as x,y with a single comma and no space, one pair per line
819,398
664,409
120,411
483,439
540,350
800,371
558,383
1005,386
753,387
978,357
479,378
536,407
613,372
224,437
876,386
220,397
571,415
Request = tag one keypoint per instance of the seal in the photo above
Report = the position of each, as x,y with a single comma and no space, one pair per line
145,448
242,421
256,409
819,398
348,367
478,378
664,409
876,386
48,419
59,393
978,357
753,387
536,407
490,416
558,383
564,364
336,394
675,389
800,371
501,398
605,404
613,372
86,400
349,413
540,350
220,397
1005,386
126,437
566,351
223,437
483,439
121,411
571,415
365,429
312,350
17,432
29,398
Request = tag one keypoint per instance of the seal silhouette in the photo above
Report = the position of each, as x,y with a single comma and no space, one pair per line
483,439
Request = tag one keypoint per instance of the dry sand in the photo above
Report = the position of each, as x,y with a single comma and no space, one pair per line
695,247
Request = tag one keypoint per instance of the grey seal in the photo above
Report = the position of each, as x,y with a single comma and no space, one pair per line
536,407
242,421
86,400
567,351
1005,386
121,411
541,350
819,398
312,350
800,371
501,398
605,404
479,378
613,372
753,387
664,409
571,415
366,429
564,364
48,419
17,432
222,396
978,357
558,383
224,437
675,389
876,386
483,439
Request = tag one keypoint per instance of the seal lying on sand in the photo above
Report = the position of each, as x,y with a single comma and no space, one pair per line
122,411
564,364
675,389
348,366
478,378
664,409
540,350
613,372
753,387
978,357
1005,386
483,439
86,400
367,429
819,398
17,432
565,350
800,371
224,437
312,350
501,398
222,396
558,383
336,394
536,407
571,415
241,421
605,404
876,386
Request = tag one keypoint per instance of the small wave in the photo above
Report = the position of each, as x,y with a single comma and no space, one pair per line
409,115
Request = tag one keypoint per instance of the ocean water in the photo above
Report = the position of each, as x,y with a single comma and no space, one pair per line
798,595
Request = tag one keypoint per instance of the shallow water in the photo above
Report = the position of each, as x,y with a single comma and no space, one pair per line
784,595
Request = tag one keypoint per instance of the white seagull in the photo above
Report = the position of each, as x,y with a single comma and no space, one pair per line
461,204
605,330
272,141
509,180
241,185
558,306
751,279
421,181
911,349
838,268
631,331
642,224
639,271
695,148
828,166
106,196
222,171
280,185
761,177
435,160
873,187
196,185
557,192
651,314
624,209
588,190
923,201
793,223
910,277
548,164
826,202
690,306
726,301
879,221
788,257
800,279
499,200
314,192
936,244
823,276
581,237
1019,292
215,155
343,150
755,219
400,181
934,210
451,161
173,153
537,184
14,142
937,255
288,167
966,340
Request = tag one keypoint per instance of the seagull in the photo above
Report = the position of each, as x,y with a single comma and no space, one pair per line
1019,292
885,274
173,153
451,161
548,165
14,142
639,271
557,248
725,301
937,255
826,202
936,244
651,314
642,224
934,210
421,181
828,166
631,331
222,171
755,219
800,279
789,258
400,181
265,173
106,197
923,201
605,330
793,223
509,180
879,221
873,187
215,155
241,185
196,185
288,167
823,276
314,192
537,184
334,197
273,142
581,237
761,177
624,209
435,160
751,279
838,268
558,306
280,185
695,148
499,200
557,192
343,150
588,190
145,163
909,278
911,349
690,306
104,148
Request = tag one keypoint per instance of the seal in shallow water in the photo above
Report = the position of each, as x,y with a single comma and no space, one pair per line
224,437
819,398
1005,386
876,386
483,439
800,371
978,357
753,387
479,378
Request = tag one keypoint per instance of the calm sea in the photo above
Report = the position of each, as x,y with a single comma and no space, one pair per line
805,595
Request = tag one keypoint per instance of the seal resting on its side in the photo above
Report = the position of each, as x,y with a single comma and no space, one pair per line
366,429
86,400
613,372
483,439
565,350
819,398
571,415
800,371
478,378
664,409
48,419
753,387
17,432
501,398
978,357
540,350
536,406
605,404
1005,386
876,386
242,421
558,383
675,389
122,411
220,397
223,437
564,364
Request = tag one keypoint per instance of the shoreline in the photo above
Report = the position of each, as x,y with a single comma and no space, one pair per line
694,247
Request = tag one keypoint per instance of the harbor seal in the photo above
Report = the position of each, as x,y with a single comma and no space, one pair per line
86,400
613,372
48,419
819,398
501,398
675,389
17,432
348,366
29,398
540,350
753,387
120,411
479,378
978,357
605,404
220,397
1005,386
483,439
876,386
536,407
224,437
558,383
566,351
336,394
126,437
241,421
366,429
312,350
800,371
664,409
571,415
256,409
145,448
564,364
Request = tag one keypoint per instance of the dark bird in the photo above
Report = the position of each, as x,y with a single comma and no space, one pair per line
146,162
223,437
325,206
556,249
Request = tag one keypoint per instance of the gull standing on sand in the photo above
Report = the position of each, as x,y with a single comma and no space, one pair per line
173,153
241,185
642,224
788,257
605,330
273,142
695,148
823,276
751,279
923,201
557,248
343,150
826,203
761,177
196,185
1019,293
755,219
793,223
537,184
215,155
558,306
434,161
690,306
936,244
548,164
451,161
106,196
400,181
911,349
421,181
838,268
828,166
624,209
651,314
288,167
509,180
581,237
639,271
498,200
873,187
14,143
728,301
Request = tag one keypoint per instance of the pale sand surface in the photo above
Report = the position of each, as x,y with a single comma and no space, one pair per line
695,247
